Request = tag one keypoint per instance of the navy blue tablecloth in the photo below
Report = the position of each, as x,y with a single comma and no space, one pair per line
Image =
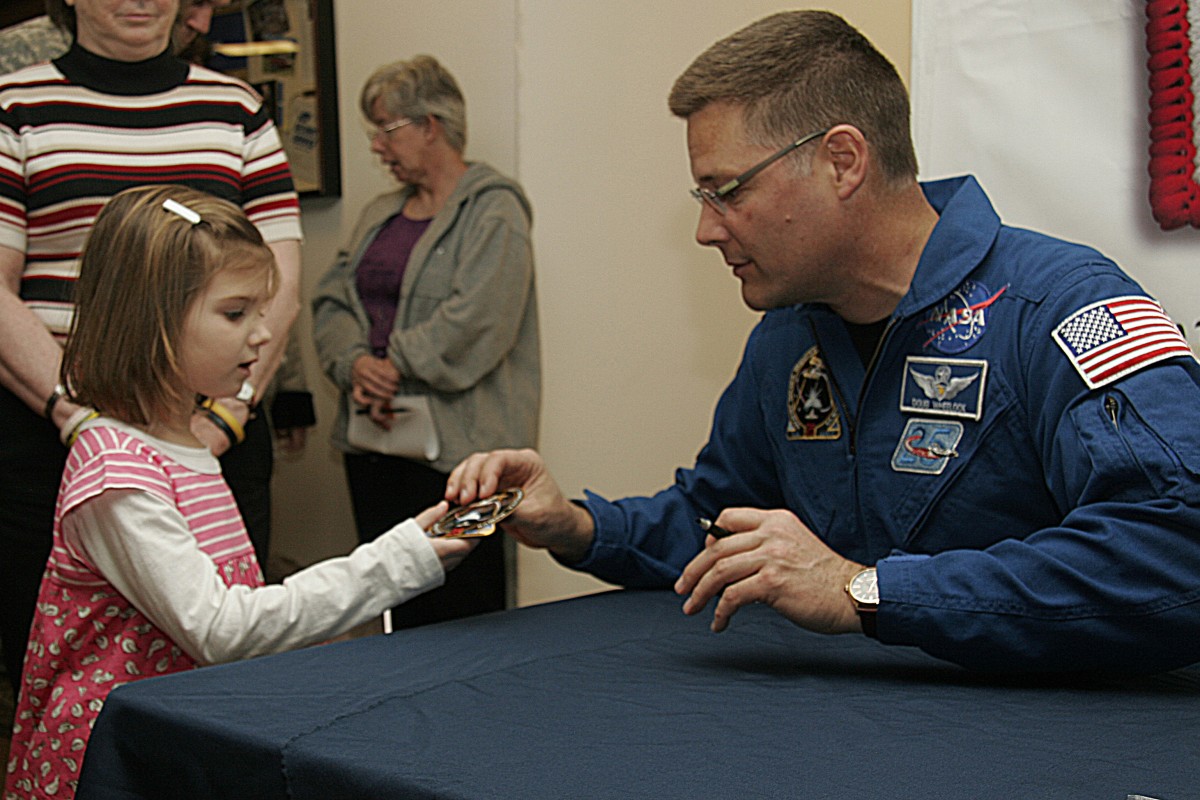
619,695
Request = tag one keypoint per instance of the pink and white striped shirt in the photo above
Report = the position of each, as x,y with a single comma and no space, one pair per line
87,638
152,573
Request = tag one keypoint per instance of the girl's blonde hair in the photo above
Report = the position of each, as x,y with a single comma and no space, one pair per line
142,267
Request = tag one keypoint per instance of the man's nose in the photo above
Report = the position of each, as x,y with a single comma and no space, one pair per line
710,229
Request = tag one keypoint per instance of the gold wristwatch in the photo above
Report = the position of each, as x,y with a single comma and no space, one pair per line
863,589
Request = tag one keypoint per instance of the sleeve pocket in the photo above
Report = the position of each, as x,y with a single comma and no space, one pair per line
1144,428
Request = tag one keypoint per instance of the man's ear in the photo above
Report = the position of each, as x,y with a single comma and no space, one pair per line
846,148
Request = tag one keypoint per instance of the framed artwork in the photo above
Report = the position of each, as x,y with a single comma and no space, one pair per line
285,50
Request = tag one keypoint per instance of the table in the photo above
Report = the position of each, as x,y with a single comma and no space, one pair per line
619,695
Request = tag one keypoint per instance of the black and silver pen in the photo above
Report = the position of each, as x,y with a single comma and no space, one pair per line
710,527
395,410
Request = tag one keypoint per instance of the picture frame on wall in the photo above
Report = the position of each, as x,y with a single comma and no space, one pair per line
285,50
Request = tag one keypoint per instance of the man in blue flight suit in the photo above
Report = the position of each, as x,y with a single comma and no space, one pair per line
944,432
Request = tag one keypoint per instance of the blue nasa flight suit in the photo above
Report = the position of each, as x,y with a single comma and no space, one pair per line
1019,520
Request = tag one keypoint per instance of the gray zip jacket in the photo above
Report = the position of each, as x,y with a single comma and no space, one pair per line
466,329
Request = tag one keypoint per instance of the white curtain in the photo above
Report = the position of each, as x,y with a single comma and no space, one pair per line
1046,103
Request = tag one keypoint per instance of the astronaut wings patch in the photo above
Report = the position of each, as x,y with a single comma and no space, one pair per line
1113,338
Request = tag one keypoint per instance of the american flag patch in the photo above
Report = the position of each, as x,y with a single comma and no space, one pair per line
1112,338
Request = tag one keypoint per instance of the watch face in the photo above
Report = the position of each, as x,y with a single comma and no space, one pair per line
864,587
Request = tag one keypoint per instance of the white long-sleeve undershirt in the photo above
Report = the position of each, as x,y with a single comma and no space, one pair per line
141,544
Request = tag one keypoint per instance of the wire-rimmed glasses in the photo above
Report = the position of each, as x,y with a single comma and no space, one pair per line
375,131
715,198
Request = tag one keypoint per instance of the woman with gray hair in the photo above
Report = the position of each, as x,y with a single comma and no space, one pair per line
430,306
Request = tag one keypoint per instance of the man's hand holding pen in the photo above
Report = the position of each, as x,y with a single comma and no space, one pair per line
712,529
771,557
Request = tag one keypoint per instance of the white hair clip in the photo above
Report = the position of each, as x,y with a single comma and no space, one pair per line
182,210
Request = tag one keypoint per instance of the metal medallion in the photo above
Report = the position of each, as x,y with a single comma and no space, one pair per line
478,518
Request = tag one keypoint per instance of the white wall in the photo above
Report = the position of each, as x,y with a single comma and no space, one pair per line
641,327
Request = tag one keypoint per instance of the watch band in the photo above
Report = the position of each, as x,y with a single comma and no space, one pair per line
867,618
58,394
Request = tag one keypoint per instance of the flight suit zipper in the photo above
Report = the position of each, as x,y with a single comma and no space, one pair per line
852,419
1112,407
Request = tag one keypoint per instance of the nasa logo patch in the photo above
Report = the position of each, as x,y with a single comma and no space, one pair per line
960,320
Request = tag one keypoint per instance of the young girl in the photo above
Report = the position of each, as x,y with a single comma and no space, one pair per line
151,570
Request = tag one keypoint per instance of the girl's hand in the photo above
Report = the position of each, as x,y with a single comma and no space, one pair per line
453,551
450,551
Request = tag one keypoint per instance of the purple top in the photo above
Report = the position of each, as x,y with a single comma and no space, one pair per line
380,273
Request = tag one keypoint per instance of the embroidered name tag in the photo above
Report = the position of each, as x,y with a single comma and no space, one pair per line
951,387
927,445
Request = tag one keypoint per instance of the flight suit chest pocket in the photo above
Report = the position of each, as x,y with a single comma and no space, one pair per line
945,460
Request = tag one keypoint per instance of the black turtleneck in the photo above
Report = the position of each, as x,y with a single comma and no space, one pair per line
866,338
127,78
